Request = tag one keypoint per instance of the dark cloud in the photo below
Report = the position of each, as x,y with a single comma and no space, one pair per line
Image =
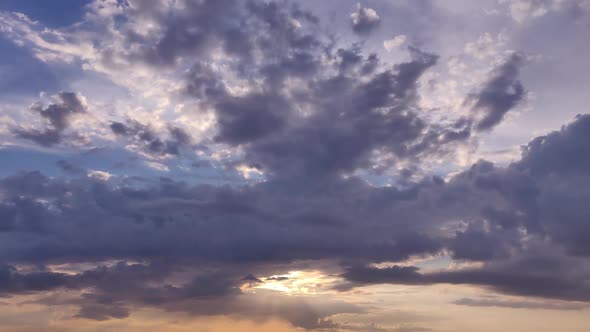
354,108
192,31
560,152
112,292
310,108
313,116
251,278
246,119
70,168
479,244
150,141
57,115
504,210
14,282
546,277
102,312
535,195
394,274
353,116
364,20
558,162
501,93
202,214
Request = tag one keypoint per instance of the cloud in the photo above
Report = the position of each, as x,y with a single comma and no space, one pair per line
541,277
65,105
501,93
518,304
393,43
148,140
14,282
111,292
364,20
273,110
69,168
559,152
316,119
166,219
102,312
533,196
487,45
522,10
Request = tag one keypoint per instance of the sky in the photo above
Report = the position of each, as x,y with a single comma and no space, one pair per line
294,165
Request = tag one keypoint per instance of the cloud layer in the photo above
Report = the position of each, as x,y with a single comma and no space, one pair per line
226,146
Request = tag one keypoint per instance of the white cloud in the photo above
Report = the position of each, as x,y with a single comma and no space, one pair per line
364,20
394,42
487,45
99,175
522,10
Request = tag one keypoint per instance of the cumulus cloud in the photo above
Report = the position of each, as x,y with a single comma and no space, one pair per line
513,265
321,222
57,116
364,20
316,119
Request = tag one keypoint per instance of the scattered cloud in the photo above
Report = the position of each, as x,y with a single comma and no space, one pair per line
395,42
364,20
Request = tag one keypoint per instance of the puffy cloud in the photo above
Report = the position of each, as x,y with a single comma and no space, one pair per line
531,240
560,152
57,115
272,56
315,119
364,20
511,210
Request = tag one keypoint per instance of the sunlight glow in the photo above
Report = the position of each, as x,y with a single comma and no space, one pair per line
298,282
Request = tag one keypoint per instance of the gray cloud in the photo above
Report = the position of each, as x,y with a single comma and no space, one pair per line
149,140
502,303
14,282
536,195
356,107
537,276
312,116
102,312
69,168
501,93
113,292
102,220
57,116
